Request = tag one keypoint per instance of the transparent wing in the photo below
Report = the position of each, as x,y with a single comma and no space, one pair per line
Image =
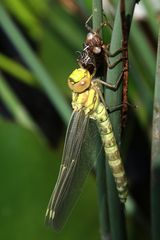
77,160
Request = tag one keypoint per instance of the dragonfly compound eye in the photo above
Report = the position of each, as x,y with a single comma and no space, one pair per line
96,50
79,80
89,36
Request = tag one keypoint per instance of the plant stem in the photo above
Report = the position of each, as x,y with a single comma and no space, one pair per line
100,167
97,14
116,209
155,156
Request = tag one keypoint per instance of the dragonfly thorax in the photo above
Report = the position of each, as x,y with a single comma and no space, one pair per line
86,101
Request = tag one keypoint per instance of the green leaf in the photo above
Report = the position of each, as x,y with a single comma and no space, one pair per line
34,64
28,171
113,98
101,161
155,167
25,177
15,107
25,16
16,70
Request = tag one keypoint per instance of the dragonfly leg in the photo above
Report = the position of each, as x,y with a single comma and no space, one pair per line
118,107
114,54
115,108
110,85
87,26
111,66
103,24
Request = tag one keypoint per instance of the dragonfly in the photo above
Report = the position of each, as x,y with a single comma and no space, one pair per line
89,111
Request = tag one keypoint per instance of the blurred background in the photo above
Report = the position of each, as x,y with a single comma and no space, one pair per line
39,44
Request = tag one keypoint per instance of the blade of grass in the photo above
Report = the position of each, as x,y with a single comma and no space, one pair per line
151,15
25,16
39,7
34,64
146,59
155,155
143,89
18,111
100,167
140,98
56,21
118,229
16,69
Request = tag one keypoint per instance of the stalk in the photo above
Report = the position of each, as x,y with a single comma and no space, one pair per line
116,209
100,167
155,154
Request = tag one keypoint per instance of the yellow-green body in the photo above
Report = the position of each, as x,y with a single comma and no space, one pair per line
89,101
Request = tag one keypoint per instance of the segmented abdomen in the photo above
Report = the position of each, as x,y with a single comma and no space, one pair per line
111,150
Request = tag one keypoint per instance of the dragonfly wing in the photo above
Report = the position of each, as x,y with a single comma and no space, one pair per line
77,161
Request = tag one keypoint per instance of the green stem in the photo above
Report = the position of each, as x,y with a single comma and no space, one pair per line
155,164
100,168
97,14
116,209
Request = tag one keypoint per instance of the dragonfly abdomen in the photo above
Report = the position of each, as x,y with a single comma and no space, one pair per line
111,151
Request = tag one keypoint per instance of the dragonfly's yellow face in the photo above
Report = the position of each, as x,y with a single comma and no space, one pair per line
79,80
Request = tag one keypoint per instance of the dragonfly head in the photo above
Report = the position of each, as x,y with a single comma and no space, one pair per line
79,80
94,42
